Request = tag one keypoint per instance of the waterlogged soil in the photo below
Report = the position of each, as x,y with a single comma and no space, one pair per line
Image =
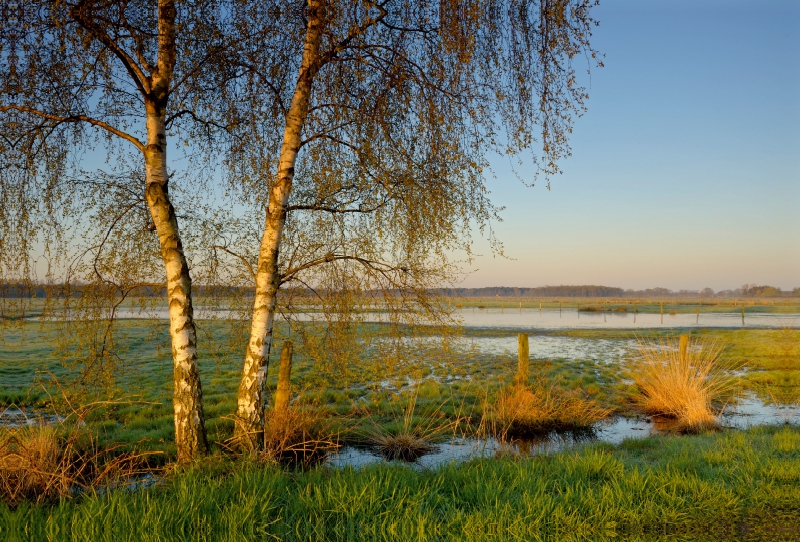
548,347
748,412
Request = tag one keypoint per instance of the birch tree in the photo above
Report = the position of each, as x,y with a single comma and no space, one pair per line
120,76
377,125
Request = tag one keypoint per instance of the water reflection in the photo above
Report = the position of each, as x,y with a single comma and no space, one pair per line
548,319
573,319
749,412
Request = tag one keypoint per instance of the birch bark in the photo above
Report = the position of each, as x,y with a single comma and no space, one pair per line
187,399
250,410
190,434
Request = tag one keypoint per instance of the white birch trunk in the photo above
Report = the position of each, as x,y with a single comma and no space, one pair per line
190,434
250,410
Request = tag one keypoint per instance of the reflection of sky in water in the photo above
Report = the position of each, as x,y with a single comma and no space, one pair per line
545,320
749,412
544,347
572,319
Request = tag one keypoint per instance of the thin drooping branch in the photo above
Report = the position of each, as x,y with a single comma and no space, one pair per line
141,80
75,119
380,267
242,258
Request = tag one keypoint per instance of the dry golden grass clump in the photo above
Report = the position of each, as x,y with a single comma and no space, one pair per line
689,384
299,435
524,410
32,465
40,463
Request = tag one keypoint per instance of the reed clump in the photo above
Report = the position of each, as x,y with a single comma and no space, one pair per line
414,432
689,384
523,410
298,435
44,463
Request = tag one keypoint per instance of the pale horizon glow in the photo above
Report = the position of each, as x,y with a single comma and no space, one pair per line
685,171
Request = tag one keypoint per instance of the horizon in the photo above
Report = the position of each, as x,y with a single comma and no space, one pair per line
684,170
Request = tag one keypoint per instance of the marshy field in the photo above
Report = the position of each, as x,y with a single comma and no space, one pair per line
591,419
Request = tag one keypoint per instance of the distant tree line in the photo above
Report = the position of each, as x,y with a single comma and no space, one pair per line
748,290
28,290
541,291
15,290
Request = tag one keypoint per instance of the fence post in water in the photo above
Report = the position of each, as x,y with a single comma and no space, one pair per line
559,308
540,307
284,384
684,344
697,309
662,312
742,314
523,358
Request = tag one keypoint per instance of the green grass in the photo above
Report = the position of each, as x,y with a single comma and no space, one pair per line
462,380
723,486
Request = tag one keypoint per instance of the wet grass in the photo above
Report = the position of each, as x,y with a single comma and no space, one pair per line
724,486
460,377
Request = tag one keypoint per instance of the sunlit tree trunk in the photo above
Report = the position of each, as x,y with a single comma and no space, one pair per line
190,433
250,411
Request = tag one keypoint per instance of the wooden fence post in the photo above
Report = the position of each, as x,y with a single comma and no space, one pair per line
282,394
523,358
684,344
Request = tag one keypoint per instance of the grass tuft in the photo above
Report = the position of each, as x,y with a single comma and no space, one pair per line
525,411
301,435
414,434
45,463
690,389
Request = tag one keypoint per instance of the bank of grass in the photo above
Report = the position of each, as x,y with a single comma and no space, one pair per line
724,486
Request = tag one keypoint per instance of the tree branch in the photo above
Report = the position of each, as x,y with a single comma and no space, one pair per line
250,267
380,267
75,118
142,81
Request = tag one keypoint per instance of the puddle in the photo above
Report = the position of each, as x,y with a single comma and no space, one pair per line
750,412
545,347
14,418
459,449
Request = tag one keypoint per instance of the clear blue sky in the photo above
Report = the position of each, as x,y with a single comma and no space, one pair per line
686,168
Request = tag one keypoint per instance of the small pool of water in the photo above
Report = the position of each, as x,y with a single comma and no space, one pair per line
750,412
15,418
547,347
